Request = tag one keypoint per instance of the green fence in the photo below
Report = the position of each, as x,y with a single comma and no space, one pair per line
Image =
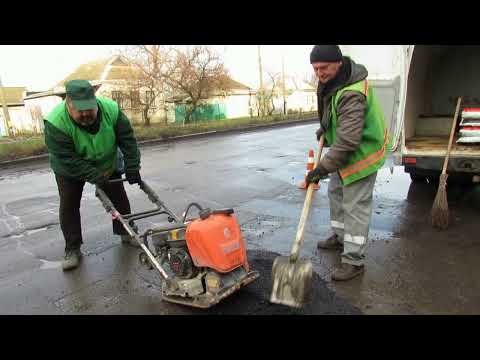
202,113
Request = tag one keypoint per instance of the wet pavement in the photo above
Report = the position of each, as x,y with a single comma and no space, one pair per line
410,268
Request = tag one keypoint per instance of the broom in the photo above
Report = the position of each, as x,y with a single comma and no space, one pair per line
439,213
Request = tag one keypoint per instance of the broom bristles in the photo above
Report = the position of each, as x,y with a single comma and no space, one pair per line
439,213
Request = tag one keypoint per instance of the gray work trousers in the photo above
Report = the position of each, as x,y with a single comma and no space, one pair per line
350,214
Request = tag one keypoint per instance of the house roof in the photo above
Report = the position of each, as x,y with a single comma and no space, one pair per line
112,68
234,85
14,95
96,71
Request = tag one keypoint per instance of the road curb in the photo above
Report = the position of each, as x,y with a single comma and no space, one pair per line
152,142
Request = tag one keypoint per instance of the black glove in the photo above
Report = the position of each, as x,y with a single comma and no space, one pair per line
102,183
316,175
319,133
133,177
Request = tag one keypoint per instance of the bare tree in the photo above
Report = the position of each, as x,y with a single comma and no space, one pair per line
265,97
311,79
149,64
195,74
37,117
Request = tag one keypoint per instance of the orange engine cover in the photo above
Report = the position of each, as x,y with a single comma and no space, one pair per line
217,243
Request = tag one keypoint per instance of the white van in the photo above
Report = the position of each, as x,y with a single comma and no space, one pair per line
424,107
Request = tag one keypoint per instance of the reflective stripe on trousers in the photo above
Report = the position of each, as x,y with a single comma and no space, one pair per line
350,214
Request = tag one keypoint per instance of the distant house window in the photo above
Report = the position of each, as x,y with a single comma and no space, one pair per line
135,99
117,96
150,96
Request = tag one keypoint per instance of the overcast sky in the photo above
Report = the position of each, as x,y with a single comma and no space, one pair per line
39,67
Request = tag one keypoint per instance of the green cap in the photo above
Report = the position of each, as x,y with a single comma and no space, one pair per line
82,94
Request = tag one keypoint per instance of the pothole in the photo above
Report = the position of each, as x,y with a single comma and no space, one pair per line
261,226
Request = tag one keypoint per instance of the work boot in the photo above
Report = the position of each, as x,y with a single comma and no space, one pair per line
346,272
72,259
129,240
332,243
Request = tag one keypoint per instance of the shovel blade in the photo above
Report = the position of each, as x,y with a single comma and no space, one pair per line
292,282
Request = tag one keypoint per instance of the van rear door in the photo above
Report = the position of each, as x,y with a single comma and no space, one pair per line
388,93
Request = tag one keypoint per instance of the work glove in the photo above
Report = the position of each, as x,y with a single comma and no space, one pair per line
102,182
316,175
133,177
319,133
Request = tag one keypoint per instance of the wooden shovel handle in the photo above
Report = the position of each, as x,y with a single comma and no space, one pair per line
452,132
297,244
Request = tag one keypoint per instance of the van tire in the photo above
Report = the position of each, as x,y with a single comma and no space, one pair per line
418,178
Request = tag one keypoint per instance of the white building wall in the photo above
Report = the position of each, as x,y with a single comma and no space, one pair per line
157,115
20,121
170,113
237,106
278,103
37,108
302,101
3,131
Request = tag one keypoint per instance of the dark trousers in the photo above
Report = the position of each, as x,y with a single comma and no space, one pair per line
70,191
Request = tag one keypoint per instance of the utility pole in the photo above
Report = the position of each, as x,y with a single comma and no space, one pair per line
260,67
283,85
5,109
260,71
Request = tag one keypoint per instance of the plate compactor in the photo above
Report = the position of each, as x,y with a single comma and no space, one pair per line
202,260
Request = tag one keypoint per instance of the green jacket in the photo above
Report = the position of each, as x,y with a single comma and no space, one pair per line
370,155
90,154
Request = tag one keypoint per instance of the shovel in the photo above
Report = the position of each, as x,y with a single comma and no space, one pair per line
292,278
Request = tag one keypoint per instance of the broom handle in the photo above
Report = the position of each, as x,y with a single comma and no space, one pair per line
297,244
452,132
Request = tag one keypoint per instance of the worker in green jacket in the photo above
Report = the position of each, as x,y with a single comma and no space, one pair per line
353,125
83,135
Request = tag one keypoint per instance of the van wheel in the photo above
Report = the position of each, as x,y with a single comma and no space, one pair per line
417,178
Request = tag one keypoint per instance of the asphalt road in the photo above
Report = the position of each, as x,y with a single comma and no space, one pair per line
410,269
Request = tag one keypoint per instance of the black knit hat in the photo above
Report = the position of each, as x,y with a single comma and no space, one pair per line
326,53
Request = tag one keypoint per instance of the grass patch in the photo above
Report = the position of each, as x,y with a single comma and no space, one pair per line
166,131
20,147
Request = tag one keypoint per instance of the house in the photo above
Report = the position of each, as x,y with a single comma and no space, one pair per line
111,77
302,98
235,100
115,79
299,96
19,119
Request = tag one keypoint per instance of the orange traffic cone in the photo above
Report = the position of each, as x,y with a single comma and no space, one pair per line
310,163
